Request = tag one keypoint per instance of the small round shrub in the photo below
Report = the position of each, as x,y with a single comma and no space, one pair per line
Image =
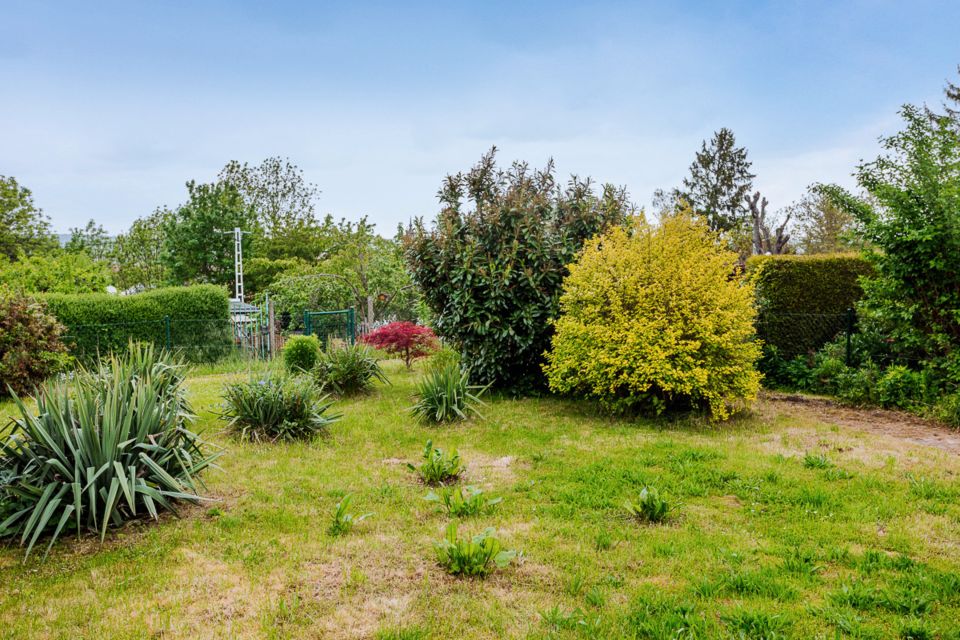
30,345
443,358
405,339
653,317
900,387
347,370
276,408
301,353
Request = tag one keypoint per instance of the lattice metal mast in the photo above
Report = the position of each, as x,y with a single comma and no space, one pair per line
238,261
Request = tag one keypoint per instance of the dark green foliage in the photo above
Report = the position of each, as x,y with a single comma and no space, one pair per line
276,408
438,467
719,181
476,556
300,353
803,300
348,369
199,324
103,447
24,229
445,395
195,247
912,221
30,345
492,274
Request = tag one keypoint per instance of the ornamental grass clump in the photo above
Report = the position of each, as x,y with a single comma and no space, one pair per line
446,395
654,317
276,408
348,370
104,446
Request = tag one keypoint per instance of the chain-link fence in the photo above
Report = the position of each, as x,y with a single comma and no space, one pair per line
796,334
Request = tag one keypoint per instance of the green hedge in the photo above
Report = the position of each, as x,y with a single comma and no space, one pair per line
192,320
803,300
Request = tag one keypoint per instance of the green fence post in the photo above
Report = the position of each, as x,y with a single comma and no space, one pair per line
166,326
851,318
306,323
352,321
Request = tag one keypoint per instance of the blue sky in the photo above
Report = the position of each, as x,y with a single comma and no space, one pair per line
108,109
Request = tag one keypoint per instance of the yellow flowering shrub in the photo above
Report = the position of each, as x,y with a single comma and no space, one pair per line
652,317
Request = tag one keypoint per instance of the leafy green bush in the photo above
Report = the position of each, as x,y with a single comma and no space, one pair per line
301,353
343,520
652,319
492,274
650,506
445,395
802,301
438,467
56,272
98,323
443,358
348,370
104,446
477,556
900,387
30,344
276,408
461,502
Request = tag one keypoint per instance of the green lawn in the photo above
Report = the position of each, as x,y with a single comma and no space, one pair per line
860,538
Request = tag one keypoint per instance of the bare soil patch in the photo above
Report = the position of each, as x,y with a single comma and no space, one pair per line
884,422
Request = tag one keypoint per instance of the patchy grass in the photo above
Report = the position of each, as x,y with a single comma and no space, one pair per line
787,527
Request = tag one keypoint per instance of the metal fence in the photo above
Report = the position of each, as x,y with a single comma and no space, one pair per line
795,334
331,327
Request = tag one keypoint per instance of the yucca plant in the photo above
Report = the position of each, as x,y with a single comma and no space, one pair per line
438,467
347,370
276,408
445,394
476,556
650,507
462,502
104,446
343,520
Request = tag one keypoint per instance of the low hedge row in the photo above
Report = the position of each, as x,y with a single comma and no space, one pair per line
803,300
194,320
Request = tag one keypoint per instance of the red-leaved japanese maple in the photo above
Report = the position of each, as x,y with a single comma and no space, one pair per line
405,339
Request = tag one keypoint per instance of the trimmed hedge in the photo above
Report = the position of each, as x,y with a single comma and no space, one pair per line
803,300
97,323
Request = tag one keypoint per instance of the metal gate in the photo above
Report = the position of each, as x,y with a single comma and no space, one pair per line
331,327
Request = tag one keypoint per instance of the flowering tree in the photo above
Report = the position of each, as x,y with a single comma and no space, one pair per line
405,339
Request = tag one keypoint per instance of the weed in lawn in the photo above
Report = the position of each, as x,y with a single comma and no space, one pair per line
802,562
755,625
925,488
438,467
661,617
603,541
476,556
915,629
406,633
576,584
816,461
343,520
596,597
463,502
650,507
559,620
